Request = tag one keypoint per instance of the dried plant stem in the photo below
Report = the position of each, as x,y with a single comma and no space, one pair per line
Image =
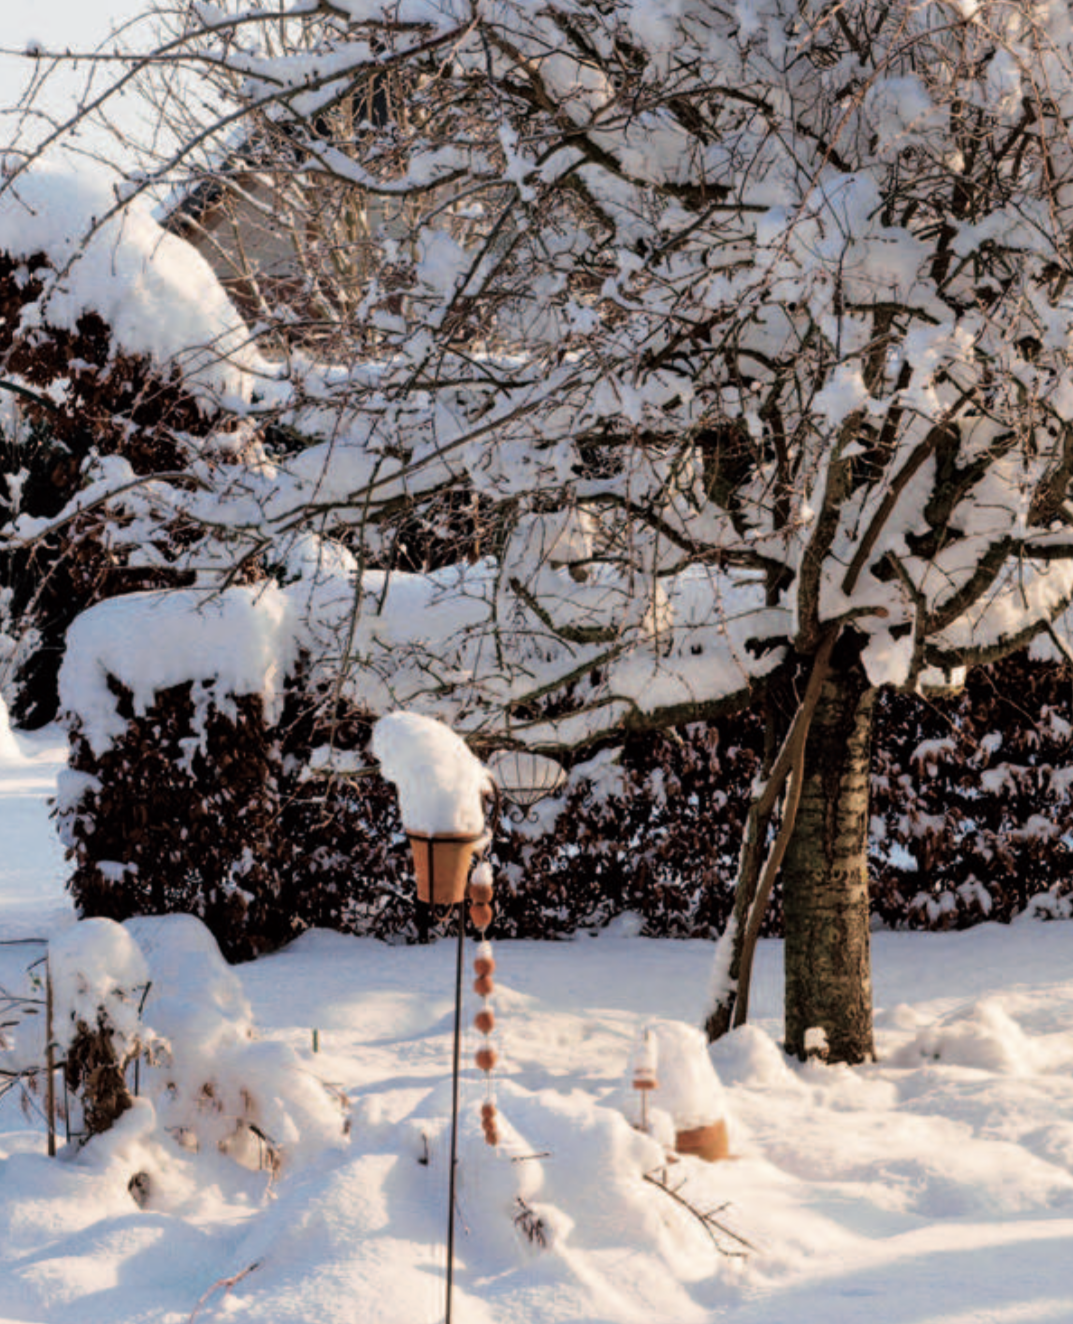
530,1224
226,1284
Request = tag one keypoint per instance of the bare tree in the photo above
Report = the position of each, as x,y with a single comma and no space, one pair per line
745,333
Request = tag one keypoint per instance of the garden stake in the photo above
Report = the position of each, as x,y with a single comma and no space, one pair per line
455,1065
50,1064
644,1073
396,740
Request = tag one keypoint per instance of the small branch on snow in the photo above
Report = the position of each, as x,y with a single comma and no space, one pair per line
706,1218
226,1284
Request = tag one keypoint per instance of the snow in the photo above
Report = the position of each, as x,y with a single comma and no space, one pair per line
156,292
97,968
10,752
241,640
934,1187
689,1088
208,1048
441,784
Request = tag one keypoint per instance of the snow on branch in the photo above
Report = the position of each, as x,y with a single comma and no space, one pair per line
776,305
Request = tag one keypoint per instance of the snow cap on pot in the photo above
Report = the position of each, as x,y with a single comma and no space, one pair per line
690,1090
441,786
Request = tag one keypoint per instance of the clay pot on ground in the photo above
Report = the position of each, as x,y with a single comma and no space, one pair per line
704,1142
442,865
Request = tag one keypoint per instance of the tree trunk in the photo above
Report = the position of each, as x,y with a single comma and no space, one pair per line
759,863
825,875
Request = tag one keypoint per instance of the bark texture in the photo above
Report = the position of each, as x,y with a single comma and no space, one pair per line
825,875
757,874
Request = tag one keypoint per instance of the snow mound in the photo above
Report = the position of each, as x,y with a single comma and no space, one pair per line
216,1083
96,968
187,968
570,1185
10,753
689,1088
983,1036
210,1086
441,783
751,1058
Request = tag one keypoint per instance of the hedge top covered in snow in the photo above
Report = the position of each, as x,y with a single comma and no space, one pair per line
241,639
156,292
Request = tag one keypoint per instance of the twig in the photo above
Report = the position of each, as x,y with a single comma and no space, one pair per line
706,1218
226,1284
138,1056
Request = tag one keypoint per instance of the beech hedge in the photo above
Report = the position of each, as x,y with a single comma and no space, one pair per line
972,819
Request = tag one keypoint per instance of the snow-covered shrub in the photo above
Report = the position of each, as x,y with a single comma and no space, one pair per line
159,989
99,979
204,808
656,833
225,822
343,861
92,411
215,1084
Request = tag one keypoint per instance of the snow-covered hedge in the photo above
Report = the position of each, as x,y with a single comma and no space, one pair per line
159,1048
972,820
972,817
179,814
118,353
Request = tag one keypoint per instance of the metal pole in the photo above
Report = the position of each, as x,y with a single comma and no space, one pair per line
50,1064
423,909
455,1066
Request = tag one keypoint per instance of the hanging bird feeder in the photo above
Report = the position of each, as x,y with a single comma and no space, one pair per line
442,789
524,778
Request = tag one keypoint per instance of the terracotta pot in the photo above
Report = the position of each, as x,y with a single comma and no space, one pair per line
704,1142
442,865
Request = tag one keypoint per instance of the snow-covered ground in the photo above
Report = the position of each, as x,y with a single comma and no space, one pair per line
933,1188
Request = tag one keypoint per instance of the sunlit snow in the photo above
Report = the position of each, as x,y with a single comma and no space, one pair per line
935,1187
